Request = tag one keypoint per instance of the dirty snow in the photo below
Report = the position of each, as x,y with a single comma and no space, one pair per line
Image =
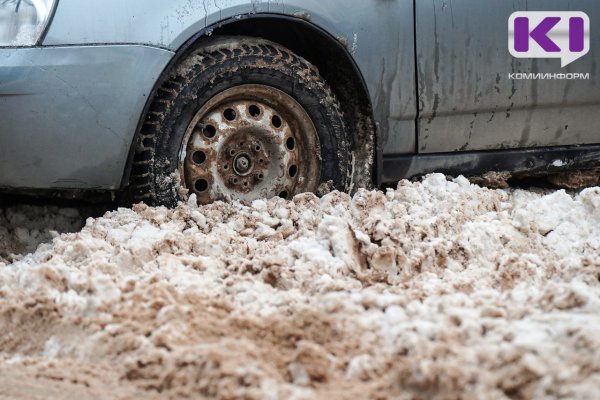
436,290
24,227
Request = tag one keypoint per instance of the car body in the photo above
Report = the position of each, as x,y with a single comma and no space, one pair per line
432,76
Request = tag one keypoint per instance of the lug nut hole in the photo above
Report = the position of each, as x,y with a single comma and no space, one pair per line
291,144
293,171
201,185
210,131
283,195
229,114
254,110
199,157
276,121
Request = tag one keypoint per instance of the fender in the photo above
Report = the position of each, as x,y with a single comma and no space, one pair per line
379,35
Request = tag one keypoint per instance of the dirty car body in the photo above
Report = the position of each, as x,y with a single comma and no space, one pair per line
432,77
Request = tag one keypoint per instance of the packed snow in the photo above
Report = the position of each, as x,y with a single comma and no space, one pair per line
438,289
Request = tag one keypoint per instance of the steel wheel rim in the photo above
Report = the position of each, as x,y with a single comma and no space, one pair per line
250,142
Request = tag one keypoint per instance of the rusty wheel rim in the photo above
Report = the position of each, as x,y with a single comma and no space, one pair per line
250,142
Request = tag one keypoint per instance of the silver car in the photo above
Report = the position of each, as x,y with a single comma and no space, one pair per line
230,99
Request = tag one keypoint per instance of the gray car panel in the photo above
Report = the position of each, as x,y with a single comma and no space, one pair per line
467,101
166,24
69,113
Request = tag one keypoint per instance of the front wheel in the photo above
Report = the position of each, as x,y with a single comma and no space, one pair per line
240,119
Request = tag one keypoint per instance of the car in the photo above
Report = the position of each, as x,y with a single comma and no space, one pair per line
155,100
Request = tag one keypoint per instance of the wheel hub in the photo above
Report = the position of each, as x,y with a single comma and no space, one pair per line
243,162
250,142
242,165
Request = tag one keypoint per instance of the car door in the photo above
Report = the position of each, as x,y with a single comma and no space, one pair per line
474,95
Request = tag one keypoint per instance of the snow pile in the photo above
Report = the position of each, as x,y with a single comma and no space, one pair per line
439,289
23,228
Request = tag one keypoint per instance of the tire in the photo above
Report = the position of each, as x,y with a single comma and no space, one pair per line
166,164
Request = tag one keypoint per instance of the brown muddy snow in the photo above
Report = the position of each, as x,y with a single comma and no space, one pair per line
436,290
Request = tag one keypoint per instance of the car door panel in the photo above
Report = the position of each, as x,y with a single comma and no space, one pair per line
467,100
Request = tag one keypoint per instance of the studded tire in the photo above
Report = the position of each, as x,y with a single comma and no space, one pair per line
219,65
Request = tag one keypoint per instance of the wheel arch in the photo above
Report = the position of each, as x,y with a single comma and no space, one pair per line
333,60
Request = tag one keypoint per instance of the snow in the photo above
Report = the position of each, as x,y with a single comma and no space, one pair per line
23,228
438,289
